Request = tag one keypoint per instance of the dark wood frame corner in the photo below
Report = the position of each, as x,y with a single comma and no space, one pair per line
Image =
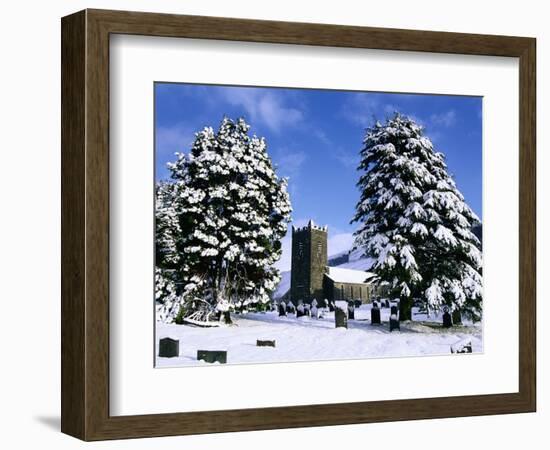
85,224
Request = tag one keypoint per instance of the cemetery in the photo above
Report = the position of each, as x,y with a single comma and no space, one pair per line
407,280
292,334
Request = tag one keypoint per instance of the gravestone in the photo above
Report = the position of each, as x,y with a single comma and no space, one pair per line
290,308
325,303
300,311
212,356
341,314
358,303
227,317
169,348
394,319
457,317
375,314
351,310
307,310
314,303
265,343
447,320
314,312
331,306
463,346
282,309
387,303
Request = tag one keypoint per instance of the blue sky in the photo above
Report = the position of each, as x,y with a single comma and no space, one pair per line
314,138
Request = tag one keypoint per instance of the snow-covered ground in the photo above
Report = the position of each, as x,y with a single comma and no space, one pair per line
308,339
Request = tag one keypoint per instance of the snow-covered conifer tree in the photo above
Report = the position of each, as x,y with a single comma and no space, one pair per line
232,212
415,223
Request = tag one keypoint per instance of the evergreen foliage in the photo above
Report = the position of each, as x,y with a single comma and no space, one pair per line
415,223
219,224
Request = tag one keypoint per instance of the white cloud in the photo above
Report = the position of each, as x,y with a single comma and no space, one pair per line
322,136
361,109
419,120
347,159
434,136
446,119
266,107
364,108
290,163
177,138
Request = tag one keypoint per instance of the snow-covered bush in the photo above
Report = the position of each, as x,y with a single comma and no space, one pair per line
415,223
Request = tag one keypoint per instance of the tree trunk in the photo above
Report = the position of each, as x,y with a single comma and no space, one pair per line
227,317
405,309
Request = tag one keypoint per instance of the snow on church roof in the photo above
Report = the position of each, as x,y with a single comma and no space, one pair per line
348,275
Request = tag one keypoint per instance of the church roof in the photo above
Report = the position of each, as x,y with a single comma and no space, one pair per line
348,275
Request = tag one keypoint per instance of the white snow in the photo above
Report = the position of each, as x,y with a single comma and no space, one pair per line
459,346
444,234
341,305
341,275
310,339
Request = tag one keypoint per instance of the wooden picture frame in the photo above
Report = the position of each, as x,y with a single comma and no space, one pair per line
85,224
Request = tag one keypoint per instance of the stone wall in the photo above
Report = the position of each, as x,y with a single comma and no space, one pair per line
347,291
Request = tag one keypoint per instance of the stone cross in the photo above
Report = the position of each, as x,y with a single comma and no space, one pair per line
351,310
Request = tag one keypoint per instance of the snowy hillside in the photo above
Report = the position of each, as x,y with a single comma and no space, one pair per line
354,260
283,286
357,261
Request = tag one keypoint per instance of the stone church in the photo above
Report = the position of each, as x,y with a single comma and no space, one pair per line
312,278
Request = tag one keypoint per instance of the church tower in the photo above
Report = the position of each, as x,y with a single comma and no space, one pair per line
309,261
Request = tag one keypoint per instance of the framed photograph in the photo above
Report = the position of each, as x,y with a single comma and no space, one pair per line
273,225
